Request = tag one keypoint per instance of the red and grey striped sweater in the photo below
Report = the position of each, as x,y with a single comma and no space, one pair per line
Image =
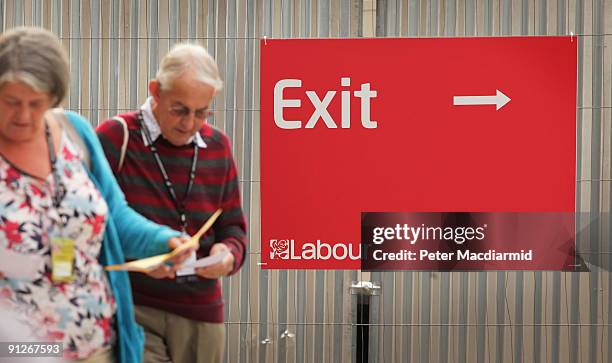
215,186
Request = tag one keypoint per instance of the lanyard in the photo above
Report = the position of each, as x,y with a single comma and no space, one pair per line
60,190
180,205
62,247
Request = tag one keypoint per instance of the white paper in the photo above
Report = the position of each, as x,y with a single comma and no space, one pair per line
185,271
20,266
205,261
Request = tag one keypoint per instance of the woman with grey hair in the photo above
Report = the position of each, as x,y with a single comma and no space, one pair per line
62,215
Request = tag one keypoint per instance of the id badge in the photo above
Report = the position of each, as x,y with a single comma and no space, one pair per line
62,259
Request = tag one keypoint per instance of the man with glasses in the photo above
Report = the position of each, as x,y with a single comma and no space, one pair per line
177,170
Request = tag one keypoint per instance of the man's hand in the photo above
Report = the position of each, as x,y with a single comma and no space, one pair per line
222,268
164,271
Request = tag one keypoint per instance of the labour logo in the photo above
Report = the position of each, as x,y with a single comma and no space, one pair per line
279,249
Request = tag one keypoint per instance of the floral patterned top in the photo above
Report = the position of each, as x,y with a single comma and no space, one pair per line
78,313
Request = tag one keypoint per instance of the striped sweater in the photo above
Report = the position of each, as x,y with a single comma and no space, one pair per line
215,186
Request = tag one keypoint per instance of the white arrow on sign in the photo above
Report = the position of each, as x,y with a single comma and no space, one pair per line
499,100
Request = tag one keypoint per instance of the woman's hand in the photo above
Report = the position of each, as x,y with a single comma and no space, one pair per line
179,258
168,271
162,271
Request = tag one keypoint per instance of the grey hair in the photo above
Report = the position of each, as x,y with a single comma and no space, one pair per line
189,57
35,56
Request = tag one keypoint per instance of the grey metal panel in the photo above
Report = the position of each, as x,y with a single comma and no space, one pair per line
481,316
263,313
153,22
323,18
18,13
211,45
542,17
286,15
357,30
506,17
450,18
537,316
556,316
463,316
375,320
401,20
445,305
319,314
353,277
267,18
305,22
574,317
229,51
56,17
193,19
488,17
525,17
133,99
339,292
301,313
414,10
94,56
596,174
518,317
216,44
37,13
2,14
230,69
266,29
381,18
470,16
74,101
432,18
249,70
561,17
388,281
425,315
390,17
113,82
282,314
345,18
609,222
500,317
173,22
407,317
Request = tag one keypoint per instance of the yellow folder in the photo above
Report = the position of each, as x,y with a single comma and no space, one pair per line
147,264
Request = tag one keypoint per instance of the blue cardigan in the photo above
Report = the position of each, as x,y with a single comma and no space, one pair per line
127,234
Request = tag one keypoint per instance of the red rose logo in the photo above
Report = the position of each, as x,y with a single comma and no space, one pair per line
279,248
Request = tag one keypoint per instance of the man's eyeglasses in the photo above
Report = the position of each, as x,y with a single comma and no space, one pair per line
182,111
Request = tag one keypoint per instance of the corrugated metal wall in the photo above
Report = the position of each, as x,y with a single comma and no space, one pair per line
307,316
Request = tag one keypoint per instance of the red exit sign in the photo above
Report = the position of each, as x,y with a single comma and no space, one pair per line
408,125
